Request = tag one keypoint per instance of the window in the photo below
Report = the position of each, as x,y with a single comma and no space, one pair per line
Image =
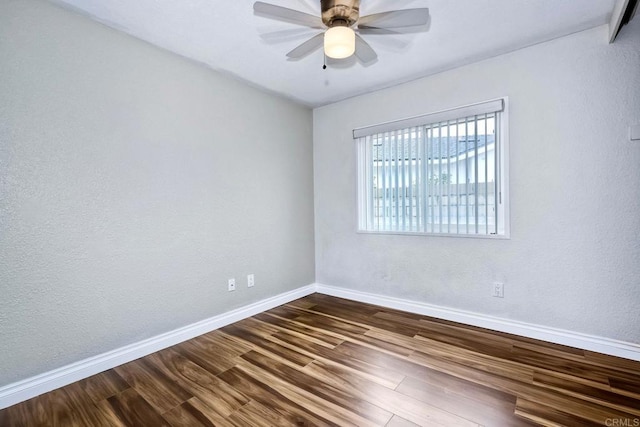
443,173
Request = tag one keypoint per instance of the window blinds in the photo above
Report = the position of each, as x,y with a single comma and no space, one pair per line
438,174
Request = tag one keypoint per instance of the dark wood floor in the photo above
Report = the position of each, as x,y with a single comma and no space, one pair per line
327,361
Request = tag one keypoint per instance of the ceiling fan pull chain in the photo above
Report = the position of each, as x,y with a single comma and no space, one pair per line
324,61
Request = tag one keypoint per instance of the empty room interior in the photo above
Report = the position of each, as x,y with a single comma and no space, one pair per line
305,212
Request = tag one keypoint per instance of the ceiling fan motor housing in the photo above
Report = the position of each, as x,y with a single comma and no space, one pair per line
342,13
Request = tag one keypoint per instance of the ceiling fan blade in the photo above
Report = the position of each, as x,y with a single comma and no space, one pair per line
310,5
364,52
287,15
389,42
396,19
377,31
286,35
307,47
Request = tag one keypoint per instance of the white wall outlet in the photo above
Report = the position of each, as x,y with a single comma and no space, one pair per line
251,280
498,290
634,133
232,285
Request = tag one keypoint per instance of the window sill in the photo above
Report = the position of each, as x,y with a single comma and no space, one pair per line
505,236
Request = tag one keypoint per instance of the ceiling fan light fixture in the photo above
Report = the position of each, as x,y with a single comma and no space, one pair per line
339,42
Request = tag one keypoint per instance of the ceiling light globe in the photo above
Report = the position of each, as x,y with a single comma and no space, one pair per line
339,42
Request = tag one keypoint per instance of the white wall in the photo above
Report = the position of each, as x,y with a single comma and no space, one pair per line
133,183
573,260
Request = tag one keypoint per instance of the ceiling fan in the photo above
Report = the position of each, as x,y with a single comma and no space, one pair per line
342,27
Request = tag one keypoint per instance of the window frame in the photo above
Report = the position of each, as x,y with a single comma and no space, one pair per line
502,160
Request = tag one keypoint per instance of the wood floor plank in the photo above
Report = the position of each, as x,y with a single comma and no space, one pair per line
384,361
498,413
543,360
326,361
255,326
625,387
105,412
476,341
5,417
59,410
301,303
349,330
402,405
531,392
41,411
616,364
103,385
17,416
223,345
153,385
133,410
348,305
409,343
258,415
330,324
83,407
328,392
379,344
547,346
385,377
269,397
559,352
347,314
261,342
478,360
548,416
288,311
585,392
294,328
340,336
397,421
604,366
195,413
199,382
201,354
313,404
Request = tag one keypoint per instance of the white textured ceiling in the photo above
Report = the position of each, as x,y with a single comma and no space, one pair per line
226,36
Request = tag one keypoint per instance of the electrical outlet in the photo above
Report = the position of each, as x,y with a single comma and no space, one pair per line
251,280
498,290
232,285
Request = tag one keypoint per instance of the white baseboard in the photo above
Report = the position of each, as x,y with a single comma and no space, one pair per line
43,383
608,346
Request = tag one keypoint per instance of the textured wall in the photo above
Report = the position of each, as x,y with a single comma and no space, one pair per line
573,260
132,185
